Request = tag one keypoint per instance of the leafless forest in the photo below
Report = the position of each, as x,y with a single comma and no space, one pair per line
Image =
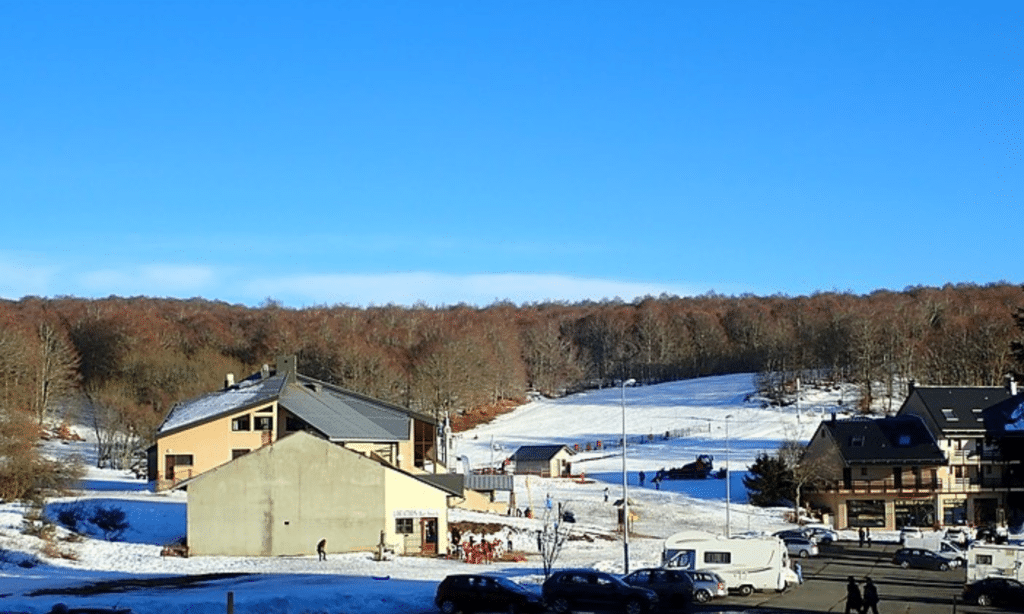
132,358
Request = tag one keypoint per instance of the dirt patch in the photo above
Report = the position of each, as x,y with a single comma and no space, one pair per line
483,414
131,584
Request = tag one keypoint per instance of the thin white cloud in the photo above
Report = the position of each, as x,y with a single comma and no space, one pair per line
19,278
448,289
149,280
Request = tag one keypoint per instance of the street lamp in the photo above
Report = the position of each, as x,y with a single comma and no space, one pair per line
727,497
625,489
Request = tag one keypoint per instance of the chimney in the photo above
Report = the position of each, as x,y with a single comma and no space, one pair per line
229,380
265,371
287,366
833,416
1011,385
911,384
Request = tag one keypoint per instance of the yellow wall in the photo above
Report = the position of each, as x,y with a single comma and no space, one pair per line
211,443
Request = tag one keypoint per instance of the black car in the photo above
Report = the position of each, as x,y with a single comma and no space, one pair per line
919,557
995,591
585,589
674,587
483,593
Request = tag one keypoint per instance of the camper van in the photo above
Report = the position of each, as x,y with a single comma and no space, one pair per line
994,560
747,564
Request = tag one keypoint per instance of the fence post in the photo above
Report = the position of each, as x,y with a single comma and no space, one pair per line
231,602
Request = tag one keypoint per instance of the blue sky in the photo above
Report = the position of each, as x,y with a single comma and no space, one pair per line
359,153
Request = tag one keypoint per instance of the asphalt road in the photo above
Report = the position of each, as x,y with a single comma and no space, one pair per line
902,591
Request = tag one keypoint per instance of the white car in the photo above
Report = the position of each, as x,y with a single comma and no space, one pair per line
822,535
906,532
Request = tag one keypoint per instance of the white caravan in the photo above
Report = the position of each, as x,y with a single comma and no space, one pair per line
1001,560
745,563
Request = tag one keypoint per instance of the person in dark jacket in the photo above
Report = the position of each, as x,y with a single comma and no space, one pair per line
870,597
853,600
321,550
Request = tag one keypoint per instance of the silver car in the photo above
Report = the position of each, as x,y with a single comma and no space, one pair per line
707,585
801,547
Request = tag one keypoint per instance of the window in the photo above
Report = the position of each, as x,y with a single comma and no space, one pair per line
240,452
264,423
718,558
904,440
291,423
863,471
949,415
983,559
240,423
403,526
857,441
182,460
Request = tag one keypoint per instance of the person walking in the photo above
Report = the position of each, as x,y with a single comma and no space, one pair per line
606,494
853,600
860,537
799,569
321,550
643,477
868,535
870,597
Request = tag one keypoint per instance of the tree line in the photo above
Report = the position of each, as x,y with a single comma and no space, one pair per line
131,359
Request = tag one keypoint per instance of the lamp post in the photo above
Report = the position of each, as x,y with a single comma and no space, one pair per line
625,489
727,477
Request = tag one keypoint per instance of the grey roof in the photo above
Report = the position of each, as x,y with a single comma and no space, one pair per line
343,417
898,439
538,453
451,483
337,413
248,393
953,410
489,481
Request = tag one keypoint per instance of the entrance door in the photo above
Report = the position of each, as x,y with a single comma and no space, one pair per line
169,467
428,529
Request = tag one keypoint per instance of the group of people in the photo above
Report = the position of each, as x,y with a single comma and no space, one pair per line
858,603
862,535
656,481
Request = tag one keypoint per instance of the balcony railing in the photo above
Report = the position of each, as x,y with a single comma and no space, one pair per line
955,485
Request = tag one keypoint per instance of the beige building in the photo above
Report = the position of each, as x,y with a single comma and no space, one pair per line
207,432
283,498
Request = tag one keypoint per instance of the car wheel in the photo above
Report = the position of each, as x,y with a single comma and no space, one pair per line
746,590
702,596
633,606
803,554
984,600
905,564
449,607
560,605
943,566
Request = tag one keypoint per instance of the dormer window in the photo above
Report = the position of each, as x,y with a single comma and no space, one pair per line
904,440
948,414
857,441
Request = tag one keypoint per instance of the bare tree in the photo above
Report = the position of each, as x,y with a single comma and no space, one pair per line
552,537
54,370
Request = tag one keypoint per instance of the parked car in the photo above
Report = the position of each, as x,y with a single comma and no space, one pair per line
919,557
994,591
822,535
800,546
674,586
906,532
586,589
804,533
707,585
958,535
483,593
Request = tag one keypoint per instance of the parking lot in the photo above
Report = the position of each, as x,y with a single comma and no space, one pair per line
902,591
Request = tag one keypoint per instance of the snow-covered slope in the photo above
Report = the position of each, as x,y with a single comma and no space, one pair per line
694,412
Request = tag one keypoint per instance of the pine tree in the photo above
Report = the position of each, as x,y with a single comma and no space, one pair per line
770,481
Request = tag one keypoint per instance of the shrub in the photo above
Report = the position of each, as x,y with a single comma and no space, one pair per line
111,520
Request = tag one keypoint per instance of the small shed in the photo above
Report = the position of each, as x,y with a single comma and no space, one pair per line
545,461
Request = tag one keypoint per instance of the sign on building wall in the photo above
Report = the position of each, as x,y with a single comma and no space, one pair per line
429,513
